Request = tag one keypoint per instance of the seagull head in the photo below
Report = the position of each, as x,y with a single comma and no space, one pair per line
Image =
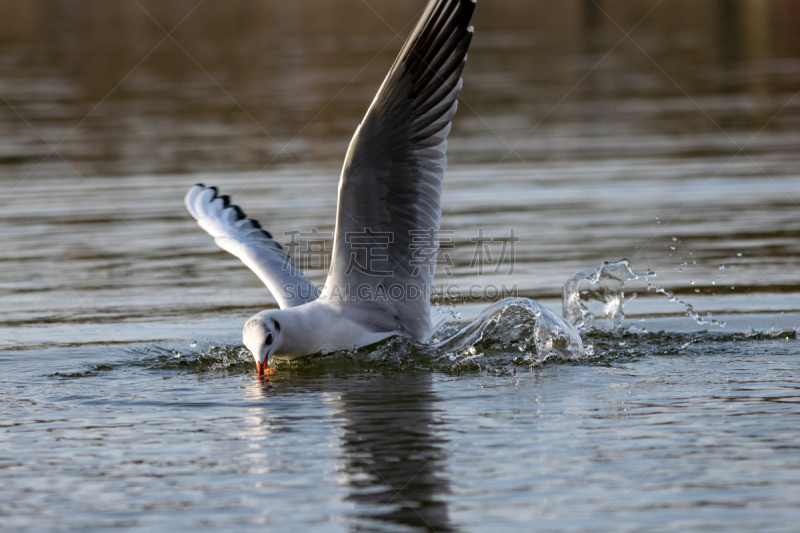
262,336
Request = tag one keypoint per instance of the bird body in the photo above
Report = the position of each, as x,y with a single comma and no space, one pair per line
389,200
317,327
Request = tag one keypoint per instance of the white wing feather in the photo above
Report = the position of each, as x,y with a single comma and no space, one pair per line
244,238
391,183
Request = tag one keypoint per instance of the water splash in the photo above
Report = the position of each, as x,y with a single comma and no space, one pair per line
604,284
508,334
208,358
690,312
520,325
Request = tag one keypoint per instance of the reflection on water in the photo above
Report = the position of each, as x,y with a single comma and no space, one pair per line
395,457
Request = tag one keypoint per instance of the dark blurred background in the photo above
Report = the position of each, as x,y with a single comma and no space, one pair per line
242,84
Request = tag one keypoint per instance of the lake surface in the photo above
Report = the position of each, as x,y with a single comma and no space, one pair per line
128,402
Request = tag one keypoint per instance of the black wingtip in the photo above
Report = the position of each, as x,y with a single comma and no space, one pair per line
256,224
240,215
199,185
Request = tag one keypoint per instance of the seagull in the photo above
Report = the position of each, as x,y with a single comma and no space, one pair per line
380,279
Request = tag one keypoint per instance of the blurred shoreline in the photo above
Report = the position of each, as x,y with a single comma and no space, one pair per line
244,86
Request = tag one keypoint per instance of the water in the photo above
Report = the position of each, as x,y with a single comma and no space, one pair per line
128,402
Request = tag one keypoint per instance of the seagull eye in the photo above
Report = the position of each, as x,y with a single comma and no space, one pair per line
268,340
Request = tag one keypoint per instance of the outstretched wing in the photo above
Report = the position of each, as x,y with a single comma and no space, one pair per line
389,210
244,238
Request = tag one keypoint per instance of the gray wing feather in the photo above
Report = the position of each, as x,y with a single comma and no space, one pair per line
391,182
244,238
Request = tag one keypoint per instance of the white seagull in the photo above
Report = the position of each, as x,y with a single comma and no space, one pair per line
390,191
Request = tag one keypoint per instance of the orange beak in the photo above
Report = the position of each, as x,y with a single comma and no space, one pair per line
262,370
